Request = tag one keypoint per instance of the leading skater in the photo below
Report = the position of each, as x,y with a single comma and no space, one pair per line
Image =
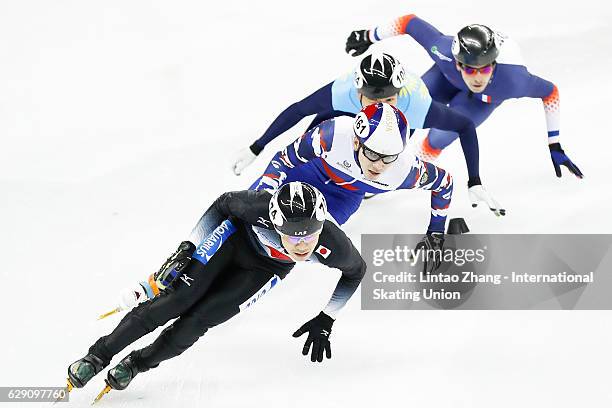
249,241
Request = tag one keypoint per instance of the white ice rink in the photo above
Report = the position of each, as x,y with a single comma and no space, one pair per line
117,124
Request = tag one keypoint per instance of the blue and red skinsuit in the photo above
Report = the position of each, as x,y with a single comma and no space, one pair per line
510,79
324,157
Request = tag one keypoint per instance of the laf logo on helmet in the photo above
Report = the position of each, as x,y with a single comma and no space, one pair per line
299,233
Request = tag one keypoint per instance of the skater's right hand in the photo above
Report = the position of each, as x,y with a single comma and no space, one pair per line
243,158
358,42
318,330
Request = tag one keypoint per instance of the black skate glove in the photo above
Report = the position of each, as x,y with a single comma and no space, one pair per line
433,244
358,42
318,330
559,158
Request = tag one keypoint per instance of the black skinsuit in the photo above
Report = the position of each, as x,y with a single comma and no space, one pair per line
213,293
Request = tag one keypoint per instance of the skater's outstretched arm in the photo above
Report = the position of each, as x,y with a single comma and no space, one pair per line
340,254
317,102
537,87
424,33
347,259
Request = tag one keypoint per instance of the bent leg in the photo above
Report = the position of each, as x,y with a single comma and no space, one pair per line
183,293
223,301
472,107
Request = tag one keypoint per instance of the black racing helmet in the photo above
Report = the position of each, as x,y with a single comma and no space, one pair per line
379,76
297,209
475,45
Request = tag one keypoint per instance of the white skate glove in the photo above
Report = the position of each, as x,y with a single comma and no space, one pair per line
478,193
243,158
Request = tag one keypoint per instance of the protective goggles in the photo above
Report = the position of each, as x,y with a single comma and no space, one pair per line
306,239
372,156
487,69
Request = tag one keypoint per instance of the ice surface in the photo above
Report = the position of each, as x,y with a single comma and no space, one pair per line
117,121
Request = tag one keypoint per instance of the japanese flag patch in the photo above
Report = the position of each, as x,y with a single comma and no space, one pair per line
323,251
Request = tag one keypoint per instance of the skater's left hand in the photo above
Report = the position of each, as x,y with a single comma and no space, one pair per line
318,330
559,158
478,193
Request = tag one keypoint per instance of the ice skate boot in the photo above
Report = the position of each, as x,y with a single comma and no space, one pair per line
83,370
120,376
